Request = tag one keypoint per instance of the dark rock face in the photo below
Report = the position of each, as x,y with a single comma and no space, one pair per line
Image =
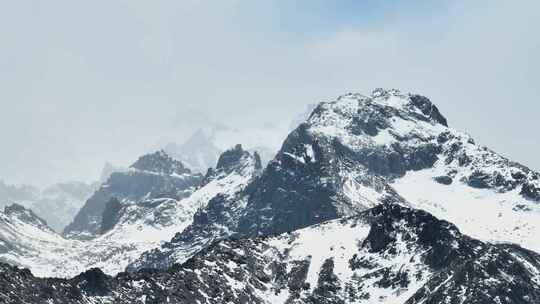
432,233
497,274
152,176
93,282
397,159
328,285
370,121
428,108
230,158
286,180
444,180
530,191
479,180
296,278
110,215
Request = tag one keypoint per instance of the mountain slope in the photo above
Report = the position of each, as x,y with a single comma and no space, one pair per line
404,139
152,176
387,254
27,241
24,238
356,141
358,151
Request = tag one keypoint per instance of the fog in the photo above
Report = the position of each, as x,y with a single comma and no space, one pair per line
88,82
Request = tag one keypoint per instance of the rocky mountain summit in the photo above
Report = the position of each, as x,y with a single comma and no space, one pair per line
220,204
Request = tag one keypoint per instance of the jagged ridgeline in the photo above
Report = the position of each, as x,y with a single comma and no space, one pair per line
387,254
127,227
151,176
358,151
373,199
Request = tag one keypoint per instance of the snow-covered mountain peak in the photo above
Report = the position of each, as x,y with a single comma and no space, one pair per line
359,151
407,131
25,215
237,158
161,163
380,119
404,139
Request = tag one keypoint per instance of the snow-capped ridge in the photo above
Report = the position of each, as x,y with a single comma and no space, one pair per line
387,254
392,132
235,159
155,175
404,139
216,205
26,215
161,163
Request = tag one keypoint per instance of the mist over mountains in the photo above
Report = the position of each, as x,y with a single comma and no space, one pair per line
57,204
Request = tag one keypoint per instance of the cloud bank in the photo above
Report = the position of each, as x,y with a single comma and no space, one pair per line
89,82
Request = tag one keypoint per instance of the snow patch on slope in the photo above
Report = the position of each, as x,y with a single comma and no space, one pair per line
341,240
481,213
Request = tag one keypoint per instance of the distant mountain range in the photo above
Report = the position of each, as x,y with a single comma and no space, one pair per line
57,204
200,152
371,199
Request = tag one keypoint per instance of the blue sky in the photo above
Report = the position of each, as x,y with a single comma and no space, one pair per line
84,82
319,18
